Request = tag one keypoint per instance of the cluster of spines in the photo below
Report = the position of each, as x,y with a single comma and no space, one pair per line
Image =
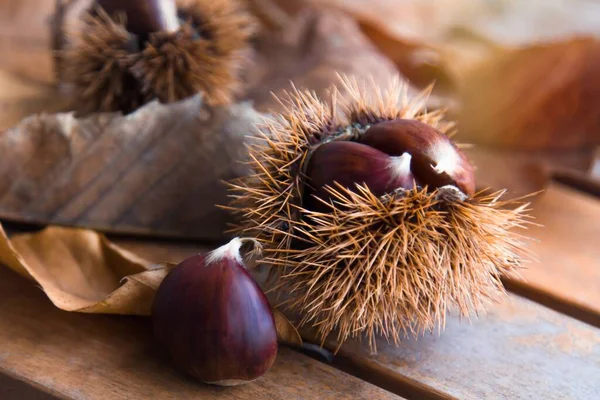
393,265
109,72
98,66
204,55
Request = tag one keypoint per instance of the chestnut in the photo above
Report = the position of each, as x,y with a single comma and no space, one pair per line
435,159
213,320
350,163
144,16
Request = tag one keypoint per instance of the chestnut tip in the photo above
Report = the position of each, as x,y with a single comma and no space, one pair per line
144,17
232,250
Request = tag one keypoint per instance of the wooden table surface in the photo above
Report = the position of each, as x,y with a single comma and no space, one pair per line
542,343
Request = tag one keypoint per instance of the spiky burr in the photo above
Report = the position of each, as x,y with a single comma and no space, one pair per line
131,52
385,249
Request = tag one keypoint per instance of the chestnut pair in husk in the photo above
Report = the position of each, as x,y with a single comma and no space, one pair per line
390,155
128,53
368,215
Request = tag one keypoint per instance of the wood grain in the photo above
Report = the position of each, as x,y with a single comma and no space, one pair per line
567,276
80,356
520,350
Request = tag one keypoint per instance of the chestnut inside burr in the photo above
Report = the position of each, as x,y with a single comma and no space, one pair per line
436,160
145,17
390,155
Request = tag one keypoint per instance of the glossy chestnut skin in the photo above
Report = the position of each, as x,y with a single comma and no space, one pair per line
144,16
215,322
350,163
429,148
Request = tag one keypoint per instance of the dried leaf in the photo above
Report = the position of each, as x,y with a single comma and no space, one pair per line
462,24
541,97
286,332
410,33
535,97
138,174
422,64
157,171
310,52
82,271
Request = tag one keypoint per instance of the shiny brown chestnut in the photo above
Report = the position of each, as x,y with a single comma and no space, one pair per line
435,159
350,163
144,16
213,319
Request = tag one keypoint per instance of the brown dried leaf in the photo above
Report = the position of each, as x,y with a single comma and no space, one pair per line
462,26
81,271
535,97
412,34
157,171
540,97
310,52
422,64
286,332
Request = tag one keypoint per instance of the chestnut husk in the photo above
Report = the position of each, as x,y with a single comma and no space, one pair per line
367,265
128,53
213,319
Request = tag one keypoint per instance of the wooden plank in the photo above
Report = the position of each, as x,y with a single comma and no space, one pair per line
106,357
567,277
519,350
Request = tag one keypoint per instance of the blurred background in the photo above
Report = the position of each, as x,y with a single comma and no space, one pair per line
519,77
